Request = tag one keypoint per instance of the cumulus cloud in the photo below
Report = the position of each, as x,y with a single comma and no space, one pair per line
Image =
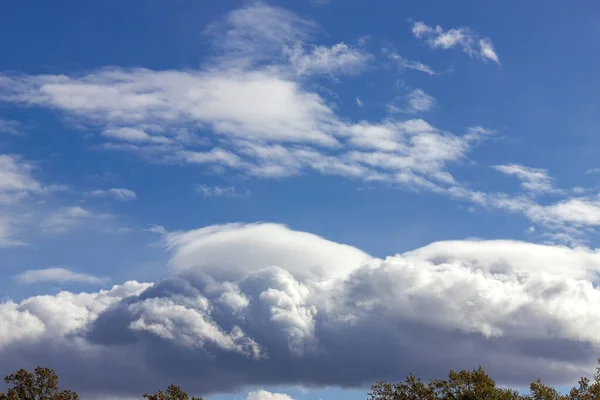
244,302
464,38
57,275
117,193
265,395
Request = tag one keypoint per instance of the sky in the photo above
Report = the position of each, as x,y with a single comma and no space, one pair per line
297,199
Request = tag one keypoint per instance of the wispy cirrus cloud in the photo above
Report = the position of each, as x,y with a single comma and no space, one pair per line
10,127
221,191
260,118
262,121
534,180
116,193
64,219
334,60
57,275
416,101
465,38
405,63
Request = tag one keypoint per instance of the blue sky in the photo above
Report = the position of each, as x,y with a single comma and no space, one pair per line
174,174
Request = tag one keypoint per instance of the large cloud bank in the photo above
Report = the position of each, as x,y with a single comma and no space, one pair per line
259,304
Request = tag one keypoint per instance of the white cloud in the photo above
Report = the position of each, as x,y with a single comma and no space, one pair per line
593,171
117,193
464,38
57,275
9,127
221,191
16,179
64,219
534,180
265,125
337,59
134,135
239,309
417,101
265,395
257,32
7,233
258,118
486,50
403,62
359,102
18,187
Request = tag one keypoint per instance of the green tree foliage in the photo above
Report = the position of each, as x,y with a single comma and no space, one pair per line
477,385
42,384
173,393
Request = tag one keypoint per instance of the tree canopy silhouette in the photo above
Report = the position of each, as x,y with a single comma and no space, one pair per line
173,392
42,384
477,385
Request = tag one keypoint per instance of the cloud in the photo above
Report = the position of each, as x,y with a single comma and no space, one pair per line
532,179
18,188
464,38
10,127
403,62
417,101
246,111
258,117
7,233
221,191
359,102
243,302
337,59
593,171
248,36
16,179
117,193
64,219
57,275
264,395
264,125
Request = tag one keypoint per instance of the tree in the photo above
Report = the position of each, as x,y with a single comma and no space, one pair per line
173,392
477,385
42,384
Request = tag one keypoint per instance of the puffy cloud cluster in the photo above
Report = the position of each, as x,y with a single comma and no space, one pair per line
261,304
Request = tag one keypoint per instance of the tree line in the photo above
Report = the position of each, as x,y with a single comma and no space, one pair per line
42,384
